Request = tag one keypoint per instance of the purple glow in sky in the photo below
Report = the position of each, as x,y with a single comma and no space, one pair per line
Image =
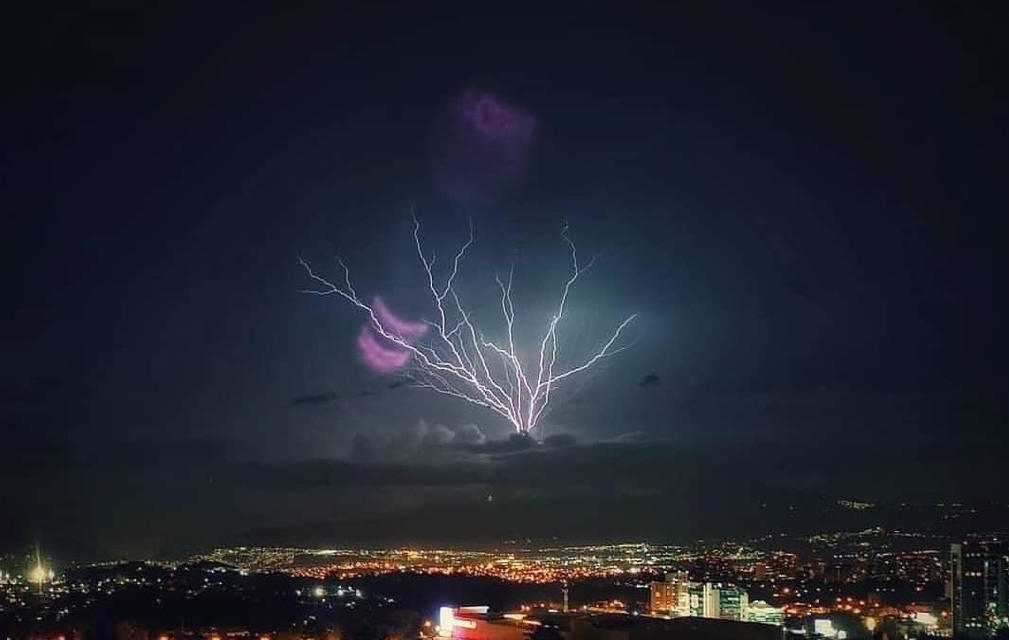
481,146
379,353
377,357
409,331
495,121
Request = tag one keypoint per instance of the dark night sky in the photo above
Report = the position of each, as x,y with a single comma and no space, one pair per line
807,206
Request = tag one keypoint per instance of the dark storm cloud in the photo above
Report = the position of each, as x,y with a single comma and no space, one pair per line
504,463
601,491
500,465
649,380
558,465
586,492
329,397
316,398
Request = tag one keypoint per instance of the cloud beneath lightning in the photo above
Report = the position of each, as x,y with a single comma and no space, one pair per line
434,442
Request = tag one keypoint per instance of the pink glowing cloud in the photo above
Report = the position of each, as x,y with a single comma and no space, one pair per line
495,122
381,354
408,331
480,146
378,357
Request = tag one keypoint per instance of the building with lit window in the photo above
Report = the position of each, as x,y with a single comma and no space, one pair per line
728,603
978,580
665,594
677,596
760,611
663,598
695,597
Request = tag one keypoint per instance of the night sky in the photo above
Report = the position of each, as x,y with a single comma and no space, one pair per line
806,206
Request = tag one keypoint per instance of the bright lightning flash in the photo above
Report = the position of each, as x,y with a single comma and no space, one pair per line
456,359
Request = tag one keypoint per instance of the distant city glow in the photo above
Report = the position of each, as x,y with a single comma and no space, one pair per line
697,579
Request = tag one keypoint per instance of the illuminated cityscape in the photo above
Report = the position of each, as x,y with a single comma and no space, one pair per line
842,583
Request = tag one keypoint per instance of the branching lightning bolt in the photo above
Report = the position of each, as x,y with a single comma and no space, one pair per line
455,359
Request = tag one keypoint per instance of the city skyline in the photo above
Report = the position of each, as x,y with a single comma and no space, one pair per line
830,583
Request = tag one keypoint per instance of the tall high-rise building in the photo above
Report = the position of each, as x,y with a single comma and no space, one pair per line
683,593
665,594
730,603
663,598
979,580
707,600
696,599
721,601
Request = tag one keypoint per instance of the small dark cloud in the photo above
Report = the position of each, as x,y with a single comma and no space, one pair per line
315,398
649,380
327,397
